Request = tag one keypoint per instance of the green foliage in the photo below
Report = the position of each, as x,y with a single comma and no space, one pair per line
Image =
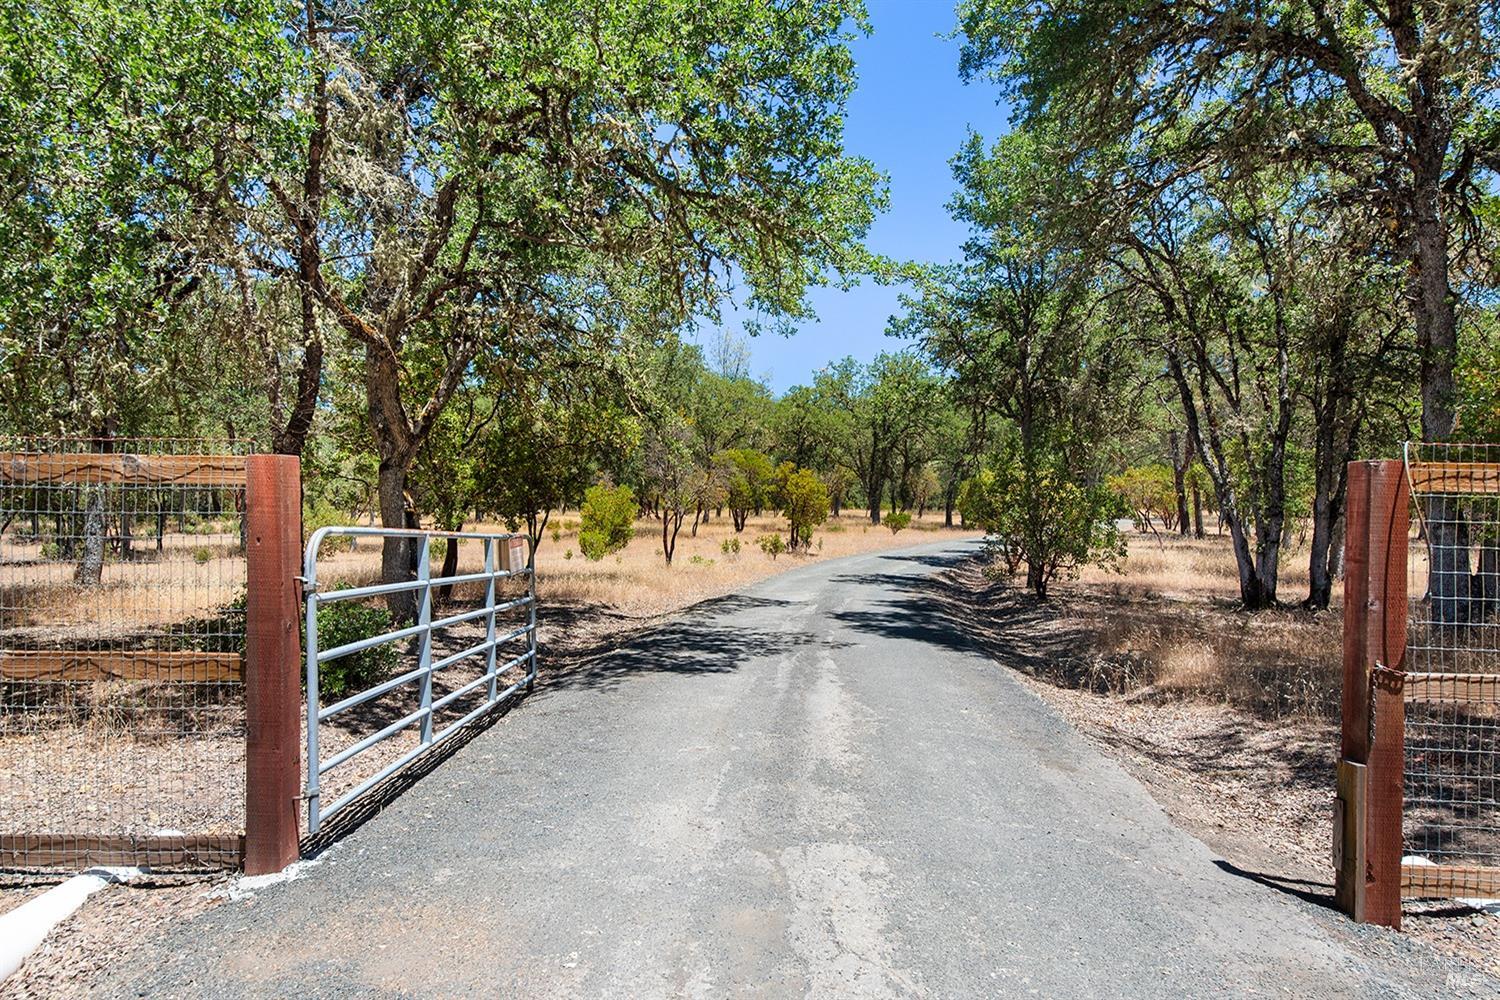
608,522
322,513
804,501
772,545
898,521
730,546
343,622
1479,388
542,454
1147,491
1039,517
748,481
882,411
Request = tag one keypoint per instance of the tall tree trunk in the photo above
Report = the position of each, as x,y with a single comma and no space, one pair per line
91,565
1331,481
291,437
1180,460
450,563
127,530
1449,579
396,554
536,523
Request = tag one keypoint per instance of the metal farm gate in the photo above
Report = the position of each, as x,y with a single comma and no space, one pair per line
469,646
1419,776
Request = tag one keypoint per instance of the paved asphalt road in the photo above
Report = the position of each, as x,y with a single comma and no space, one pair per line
814,788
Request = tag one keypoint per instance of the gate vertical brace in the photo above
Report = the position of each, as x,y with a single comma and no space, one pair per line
273,660
1372,752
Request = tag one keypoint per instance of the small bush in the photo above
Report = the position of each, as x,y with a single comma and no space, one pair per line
730,546
343,622
321,514
804,501
202,554
772,545
608,521
568,554
834,528
700,561
898,521
556,533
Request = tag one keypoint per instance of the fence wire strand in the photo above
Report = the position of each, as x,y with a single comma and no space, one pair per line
122,585
1452,776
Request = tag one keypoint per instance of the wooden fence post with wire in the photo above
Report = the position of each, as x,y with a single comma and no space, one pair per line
149,654
273,663
1418,807
1367,830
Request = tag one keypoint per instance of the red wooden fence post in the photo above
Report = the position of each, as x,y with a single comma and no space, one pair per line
1368,877
273,660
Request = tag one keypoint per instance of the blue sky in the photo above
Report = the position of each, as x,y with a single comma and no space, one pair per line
909,116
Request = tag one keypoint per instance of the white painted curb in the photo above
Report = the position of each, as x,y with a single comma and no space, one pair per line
23,929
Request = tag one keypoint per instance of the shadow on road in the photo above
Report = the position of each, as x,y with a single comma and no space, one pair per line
704,640
934,608
369,805
1317,893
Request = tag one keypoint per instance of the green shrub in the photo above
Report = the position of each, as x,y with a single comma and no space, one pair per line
804,501
568,554
202,554
322,514
730,546
608,521
898,521
700,561
1074,524
556,533
772,545
343,622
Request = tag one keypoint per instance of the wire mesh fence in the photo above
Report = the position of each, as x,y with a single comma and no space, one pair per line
1451,815
122,632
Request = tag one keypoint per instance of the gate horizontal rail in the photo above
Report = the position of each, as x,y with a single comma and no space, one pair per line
504,558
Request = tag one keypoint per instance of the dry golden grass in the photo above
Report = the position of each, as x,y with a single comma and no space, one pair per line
637,582
1167,626
1179,568
193,576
